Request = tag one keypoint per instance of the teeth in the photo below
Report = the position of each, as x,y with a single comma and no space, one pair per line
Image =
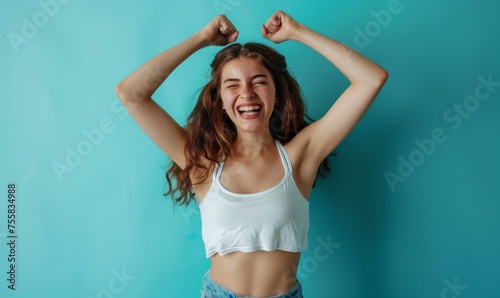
249,108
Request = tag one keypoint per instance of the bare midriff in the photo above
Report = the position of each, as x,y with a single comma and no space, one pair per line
258,274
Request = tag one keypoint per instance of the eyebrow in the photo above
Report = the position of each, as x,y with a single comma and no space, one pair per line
260,75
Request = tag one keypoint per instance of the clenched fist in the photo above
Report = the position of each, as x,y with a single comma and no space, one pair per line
219,31
280,27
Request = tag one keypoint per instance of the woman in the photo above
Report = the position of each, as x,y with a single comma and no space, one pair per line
247,153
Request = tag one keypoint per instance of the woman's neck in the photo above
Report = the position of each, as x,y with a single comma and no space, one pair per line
252,145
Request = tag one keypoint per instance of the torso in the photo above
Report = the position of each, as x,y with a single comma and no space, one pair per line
260,273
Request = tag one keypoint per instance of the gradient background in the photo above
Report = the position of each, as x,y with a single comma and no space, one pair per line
76,232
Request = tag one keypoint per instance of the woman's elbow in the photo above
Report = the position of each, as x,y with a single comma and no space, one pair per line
380,78
121,92
383,75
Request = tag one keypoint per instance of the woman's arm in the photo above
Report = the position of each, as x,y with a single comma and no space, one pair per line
366,77
135,91
142,83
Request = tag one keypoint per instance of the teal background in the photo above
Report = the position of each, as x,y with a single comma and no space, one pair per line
108,216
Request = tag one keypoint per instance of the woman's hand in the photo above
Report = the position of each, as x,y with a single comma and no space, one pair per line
219,31
280,27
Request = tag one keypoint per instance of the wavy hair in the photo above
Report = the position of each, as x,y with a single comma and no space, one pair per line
211,132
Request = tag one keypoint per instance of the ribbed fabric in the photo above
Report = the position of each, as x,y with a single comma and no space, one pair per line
276,218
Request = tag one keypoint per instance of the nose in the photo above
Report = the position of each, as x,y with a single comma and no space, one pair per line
246,92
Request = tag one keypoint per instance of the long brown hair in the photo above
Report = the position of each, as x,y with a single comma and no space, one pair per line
210,131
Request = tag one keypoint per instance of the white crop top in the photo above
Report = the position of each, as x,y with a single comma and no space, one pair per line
273,219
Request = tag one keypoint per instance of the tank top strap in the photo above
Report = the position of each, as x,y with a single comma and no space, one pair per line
284,157
217,171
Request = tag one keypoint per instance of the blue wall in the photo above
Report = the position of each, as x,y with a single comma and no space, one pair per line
411,208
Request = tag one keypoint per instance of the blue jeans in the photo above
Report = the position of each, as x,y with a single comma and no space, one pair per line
211,289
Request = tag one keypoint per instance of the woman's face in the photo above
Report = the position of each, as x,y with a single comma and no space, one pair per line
248,94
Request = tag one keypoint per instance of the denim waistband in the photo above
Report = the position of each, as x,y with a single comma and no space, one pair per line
212,289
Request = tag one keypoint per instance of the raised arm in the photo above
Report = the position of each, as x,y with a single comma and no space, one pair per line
136,90
365,76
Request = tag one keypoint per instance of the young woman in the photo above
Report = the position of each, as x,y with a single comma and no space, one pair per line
247,154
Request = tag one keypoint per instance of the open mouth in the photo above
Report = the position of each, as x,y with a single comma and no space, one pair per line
249,110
